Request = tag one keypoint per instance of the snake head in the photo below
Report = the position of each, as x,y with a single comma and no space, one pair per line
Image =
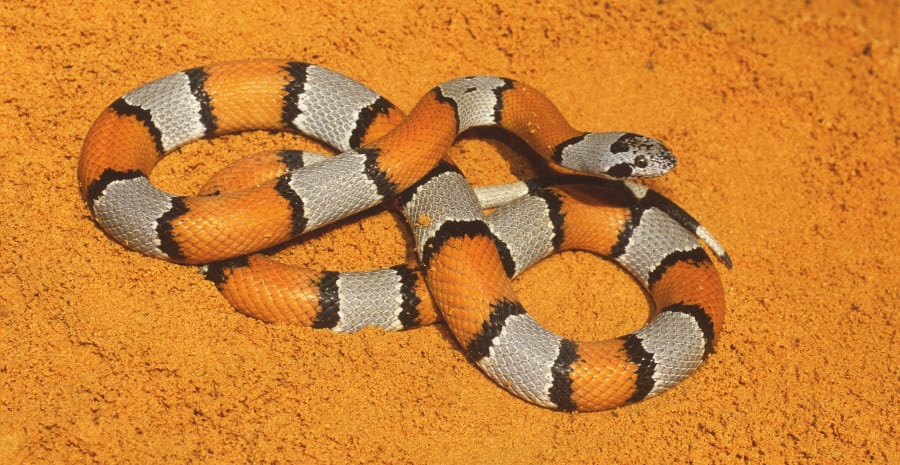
615,155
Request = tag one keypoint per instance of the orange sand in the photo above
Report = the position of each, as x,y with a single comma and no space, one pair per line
785,120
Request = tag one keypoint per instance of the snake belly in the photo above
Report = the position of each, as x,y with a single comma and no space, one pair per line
386,155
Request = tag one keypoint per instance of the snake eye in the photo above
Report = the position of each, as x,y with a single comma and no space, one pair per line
640,161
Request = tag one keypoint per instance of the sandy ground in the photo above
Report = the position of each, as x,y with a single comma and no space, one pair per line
785,121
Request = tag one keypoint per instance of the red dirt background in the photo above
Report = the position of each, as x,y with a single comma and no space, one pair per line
784,116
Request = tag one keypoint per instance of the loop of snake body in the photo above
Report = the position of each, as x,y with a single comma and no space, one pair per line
466,262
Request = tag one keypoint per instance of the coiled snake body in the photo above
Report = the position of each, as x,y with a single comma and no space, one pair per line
467,261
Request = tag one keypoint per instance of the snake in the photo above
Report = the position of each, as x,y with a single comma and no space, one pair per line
466,261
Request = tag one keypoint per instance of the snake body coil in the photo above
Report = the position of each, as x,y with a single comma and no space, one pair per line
467,261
